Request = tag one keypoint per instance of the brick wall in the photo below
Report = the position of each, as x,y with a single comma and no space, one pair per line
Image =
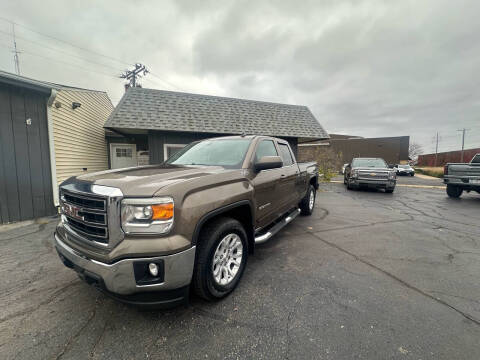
447,157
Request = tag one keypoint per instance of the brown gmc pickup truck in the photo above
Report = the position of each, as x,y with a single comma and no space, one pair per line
147,235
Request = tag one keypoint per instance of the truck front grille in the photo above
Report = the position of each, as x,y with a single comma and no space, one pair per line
85,216
373,175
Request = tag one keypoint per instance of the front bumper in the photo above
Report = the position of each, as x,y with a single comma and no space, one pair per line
119,278
382,184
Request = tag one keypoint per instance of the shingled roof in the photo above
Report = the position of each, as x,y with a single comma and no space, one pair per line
151,109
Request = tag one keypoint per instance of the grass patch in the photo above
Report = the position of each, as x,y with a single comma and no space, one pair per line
430,171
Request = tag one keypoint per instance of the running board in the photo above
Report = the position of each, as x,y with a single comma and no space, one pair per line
277,227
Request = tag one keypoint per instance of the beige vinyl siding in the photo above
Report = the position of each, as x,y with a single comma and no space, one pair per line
78,134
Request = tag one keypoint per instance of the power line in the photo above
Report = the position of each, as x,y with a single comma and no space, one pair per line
63,62
60,51
81,48
65,42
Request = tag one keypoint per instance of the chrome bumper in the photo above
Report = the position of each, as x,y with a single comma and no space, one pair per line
460,180
119,277
379,182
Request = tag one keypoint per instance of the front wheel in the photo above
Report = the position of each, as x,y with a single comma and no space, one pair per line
454,191
308,202
221,258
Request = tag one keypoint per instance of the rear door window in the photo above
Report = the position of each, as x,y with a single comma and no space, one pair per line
265,148
285,154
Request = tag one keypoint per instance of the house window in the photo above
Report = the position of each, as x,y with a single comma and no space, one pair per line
124,152
171,149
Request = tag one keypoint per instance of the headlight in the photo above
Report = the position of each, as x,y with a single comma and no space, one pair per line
391,175
355,173
147,216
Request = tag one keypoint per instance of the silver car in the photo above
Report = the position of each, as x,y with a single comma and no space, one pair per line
405,170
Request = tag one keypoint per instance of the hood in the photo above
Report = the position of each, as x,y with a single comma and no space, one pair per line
147,180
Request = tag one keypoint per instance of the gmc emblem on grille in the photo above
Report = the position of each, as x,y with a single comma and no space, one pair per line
72,211
373,174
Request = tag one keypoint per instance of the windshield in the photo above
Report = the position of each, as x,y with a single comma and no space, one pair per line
404,166
228,153
373,163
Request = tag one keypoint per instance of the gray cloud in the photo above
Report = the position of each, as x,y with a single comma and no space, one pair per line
370,68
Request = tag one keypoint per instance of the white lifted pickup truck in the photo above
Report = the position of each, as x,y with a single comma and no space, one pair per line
460,177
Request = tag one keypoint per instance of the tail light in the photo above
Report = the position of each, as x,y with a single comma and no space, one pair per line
445,170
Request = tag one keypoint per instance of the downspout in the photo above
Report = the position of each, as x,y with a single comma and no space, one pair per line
51,145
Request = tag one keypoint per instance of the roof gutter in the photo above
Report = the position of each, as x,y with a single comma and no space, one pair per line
51,145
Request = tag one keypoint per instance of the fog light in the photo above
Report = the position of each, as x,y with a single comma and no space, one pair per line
153,268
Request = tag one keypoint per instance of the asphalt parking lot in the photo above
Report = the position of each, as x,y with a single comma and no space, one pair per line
369,276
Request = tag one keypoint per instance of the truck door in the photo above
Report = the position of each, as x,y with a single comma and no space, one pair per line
287,189
266,185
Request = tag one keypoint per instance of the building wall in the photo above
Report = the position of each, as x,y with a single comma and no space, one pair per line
393,150
79,136
447,157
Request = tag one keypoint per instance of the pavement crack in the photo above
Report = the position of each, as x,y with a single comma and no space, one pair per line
99,338
42,303
67,345
399,280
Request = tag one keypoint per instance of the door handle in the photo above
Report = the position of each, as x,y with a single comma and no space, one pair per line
283,175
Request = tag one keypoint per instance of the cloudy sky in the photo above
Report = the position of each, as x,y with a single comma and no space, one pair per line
369,68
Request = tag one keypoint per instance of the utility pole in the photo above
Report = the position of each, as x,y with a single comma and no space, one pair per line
463,140
15,57
436,151
132,75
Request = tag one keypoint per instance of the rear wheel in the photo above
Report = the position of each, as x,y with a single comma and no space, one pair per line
454,191
308,202
221,258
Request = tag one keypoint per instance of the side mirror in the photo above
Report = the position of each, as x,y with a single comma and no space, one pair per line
268,162
391,166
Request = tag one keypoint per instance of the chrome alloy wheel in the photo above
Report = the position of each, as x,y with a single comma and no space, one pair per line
227,259
311,200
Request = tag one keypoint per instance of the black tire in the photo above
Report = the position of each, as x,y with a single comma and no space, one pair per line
211,235
304,205
344,180
349,187
412,174
454,191
389,191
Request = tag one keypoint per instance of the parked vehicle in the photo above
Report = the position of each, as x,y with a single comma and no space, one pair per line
405,170
146,235
371,173
460,177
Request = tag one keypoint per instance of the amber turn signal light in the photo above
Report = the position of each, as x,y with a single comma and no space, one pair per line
162,211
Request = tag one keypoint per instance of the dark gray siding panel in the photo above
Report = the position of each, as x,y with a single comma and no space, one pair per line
22,159
8,159
45,151
25,177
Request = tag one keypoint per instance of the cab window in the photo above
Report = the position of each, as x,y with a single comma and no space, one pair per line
265,148
285,154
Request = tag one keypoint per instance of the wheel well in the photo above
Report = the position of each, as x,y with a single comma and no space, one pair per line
242,213
314,182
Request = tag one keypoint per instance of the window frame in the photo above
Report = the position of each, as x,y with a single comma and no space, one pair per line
166,146
258,145
289,150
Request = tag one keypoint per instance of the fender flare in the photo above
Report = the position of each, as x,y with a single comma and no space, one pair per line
220,211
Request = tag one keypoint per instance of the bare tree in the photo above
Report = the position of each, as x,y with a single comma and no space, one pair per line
414,150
